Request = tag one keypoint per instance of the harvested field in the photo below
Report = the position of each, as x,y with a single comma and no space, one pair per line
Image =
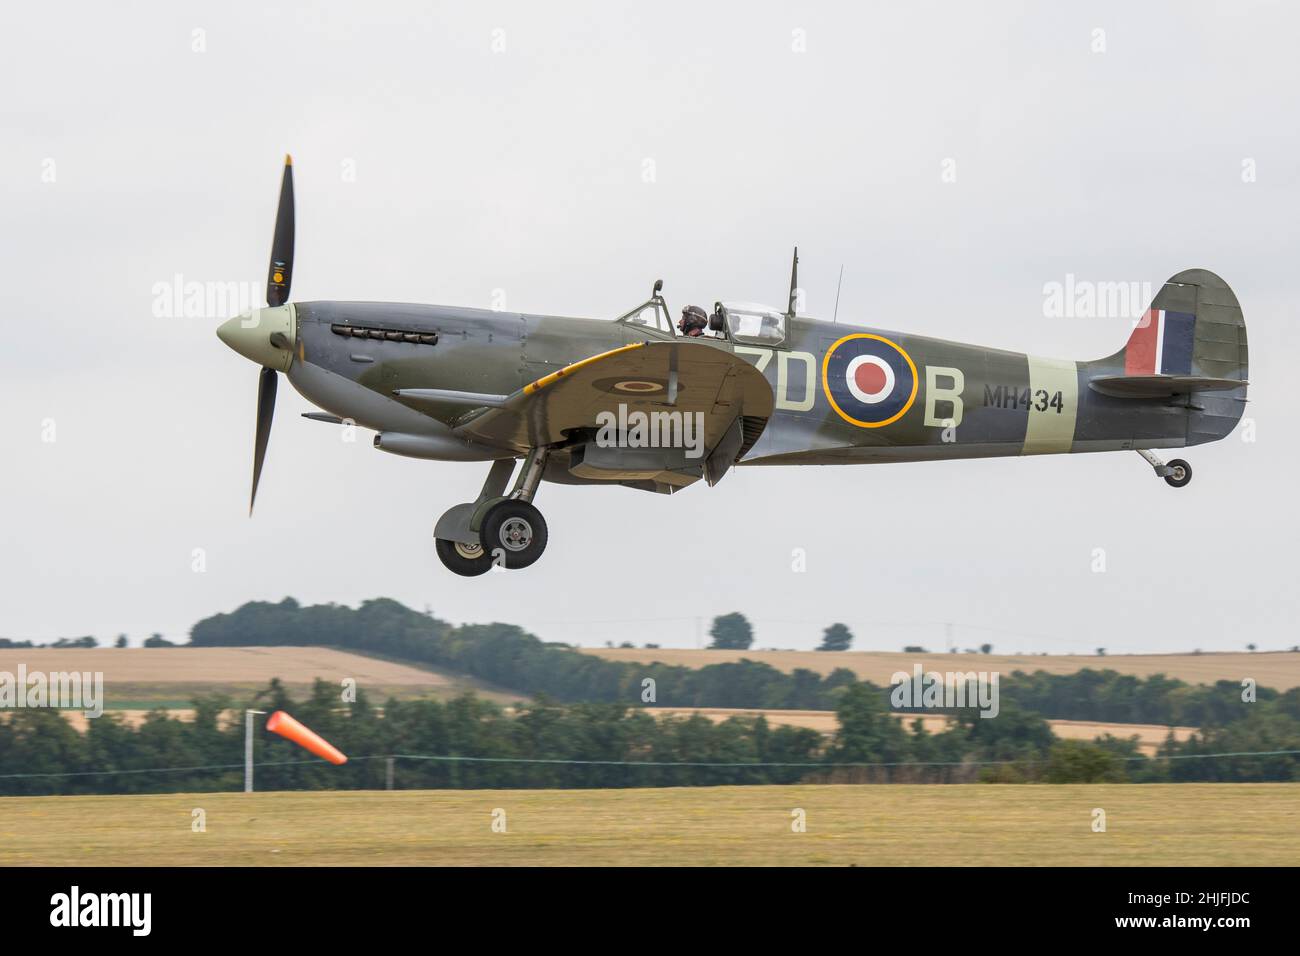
1276,669
1150,736
141,678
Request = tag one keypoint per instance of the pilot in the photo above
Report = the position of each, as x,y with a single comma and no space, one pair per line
694,321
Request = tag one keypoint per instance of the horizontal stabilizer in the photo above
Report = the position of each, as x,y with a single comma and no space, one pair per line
1159,386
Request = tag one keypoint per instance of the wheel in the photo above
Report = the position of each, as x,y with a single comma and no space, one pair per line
516,531
467,560
1180,475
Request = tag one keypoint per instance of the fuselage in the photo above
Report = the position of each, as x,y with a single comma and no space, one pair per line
925,398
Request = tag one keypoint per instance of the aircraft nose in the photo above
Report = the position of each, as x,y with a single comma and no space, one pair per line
265,336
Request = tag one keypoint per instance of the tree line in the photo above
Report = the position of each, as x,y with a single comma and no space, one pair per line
590,725
547,744
508,656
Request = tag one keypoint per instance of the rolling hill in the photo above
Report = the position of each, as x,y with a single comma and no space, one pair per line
140,678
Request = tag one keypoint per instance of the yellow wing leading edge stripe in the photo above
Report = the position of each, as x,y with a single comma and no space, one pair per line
554,377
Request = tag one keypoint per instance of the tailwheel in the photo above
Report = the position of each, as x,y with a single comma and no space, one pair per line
1177,473
467,560
514,531
1180,473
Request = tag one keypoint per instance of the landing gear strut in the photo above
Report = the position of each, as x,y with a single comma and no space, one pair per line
1176,474
496,528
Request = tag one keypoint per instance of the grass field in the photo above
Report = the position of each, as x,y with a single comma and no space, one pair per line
1277,669
1188,824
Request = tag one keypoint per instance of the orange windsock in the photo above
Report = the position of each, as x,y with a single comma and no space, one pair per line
284,725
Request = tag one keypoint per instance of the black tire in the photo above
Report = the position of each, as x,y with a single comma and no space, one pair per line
1182,473
461,558
514,533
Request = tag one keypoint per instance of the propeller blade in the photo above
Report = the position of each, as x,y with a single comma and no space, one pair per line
266,386
279,275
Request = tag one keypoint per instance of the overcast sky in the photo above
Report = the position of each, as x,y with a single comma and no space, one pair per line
442,154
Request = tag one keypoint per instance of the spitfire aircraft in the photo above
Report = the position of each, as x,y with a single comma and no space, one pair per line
646,403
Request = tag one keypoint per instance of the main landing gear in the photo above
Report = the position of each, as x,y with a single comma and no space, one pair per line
1176,474
496,528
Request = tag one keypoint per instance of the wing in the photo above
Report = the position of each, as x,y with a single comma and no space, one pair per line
728,400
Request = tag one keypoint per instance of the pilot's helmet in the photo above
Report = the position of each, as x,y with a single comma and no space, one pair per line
693,317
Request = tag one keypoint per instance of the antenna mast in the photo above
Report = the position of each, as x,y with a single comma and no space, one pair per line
836,317
794,283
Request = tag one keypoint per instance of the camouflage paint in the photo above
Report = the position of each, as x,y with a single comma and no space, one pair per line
967,401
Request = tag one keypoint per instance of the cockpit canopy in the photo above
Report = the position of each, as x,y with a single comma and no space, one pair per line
752,323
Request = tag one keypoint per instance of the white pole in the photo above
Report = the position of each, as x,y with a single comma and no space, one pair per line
248,749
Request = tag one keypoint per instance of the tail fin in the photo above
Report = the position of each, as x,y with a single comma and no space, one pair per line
1191,340
1194,326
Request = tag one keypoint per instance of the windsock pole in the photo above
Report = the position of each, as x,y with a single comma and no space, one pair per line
248,749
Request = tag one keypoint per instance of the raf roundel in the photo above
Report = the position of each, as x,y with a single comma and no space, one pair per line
868,380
